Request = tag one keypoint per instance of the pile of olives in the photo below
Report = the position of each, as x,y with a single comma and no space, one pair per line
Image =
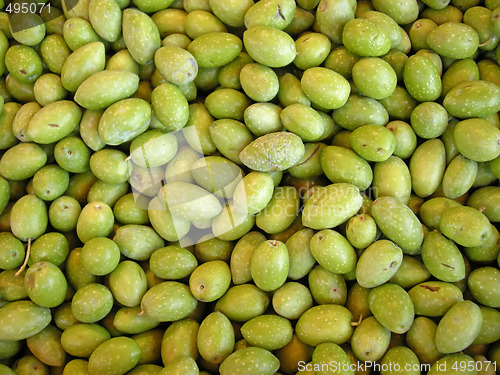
243,187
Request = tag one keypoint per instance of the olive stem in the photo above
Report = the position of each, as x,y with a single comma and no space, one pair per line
28,250
355,324
487,42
